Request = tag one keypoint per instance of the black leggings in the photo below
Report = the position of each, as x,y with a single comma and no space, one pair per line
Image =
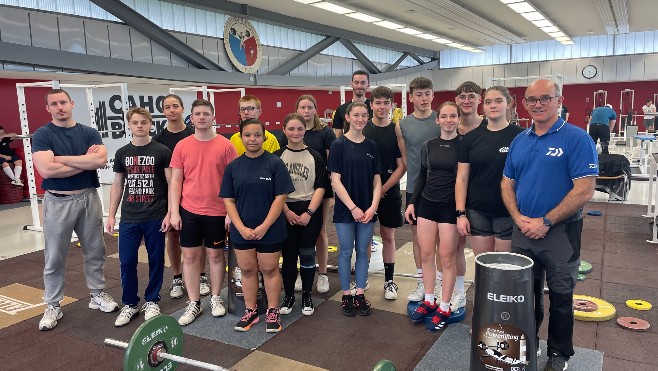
300,243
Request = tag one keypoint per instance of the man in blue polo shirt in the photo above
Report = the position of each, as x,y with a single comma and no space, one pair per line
601,124
549,175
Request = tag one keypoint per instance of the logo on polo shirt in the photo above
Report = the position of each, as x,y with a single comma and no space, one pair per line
503,150
554,152
265,178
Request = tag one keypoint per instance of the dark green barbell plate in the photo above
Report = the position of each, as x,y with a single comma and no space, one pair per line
160,332
585,267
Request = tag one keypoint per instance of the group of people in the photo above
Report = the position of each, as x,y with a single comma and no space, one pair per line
506,188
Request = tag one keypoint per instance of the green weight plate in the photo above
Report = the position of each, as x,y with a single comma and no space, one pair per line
159,332
384,365
585,267
581,277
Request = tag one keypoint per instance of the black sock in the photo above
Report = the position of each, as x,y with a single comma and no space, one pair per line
203,274
198,303
389,269
178,276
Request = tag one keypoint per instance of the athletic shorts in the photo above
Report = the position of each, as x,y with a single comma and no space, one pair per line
261,248
407,198
14,158
201,230
389,212
439,212
482,225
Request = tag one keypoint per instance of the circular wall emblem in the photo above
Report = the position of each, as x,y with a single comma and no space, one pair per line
242,44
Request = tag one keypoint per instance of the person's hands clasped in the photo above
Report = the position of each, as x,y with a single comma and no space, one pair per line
357,214
368,215
291,217
533,227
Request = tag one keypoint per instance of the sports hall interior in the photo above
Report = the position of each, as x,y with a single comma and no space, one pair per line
103,52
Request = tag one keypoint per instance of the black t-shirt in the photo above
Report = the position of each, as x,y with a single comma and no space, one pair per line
170,139
4,147
357,164
145,192
318,140
438,170
339,117
389,152
486,152
307,171
254,183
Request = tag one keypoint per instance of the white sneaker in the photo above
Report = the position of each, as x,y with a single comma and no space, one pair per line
217,306
458,300
323,283
150,309
176,289
418,294
17,182
438,290
298,283
103,302
390,290
204,287
126,315
353,287
191,313
50,318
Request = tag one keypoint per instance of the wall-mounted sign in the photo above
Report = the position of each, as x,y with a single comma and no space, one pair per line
242,44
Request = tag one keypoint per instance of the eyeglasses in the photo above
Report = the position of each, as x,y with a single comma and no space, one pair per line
469,97
247,109
543,100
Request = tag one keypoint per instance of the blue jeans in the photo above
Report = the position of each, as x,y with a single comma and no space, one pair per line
130,238
353,236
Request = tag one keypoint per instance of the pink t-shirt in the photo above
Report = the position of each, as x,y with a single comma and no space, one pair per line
203,164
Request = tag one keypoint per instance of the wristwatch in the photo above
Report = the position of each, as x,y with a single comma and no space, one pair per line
547,222
461,213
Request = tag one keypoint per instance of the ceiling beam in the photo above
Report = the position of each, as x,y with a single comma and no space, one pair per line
367,63
417,59
142,24
397,62
231,8
294,62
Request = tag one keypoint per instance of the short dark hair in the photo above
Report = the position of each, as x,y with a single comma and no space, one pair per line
468,87
502,90
180,101
58,91
250,122
361,73
202,102
382,92
420,83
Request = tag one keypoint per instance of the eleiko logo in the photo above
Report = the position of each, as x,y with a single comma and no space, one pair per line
554,152
506,298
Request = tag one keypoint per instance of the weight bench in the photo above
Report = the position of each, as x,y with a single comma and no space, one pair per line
614,176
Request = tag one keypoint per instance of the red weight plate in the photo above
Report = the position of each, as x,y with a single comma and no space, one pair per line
633,324
583,305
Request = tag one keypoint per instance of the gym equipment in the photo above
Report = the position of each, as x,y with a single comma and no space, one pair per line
603,312
584,305
626,101
584,267
157,345
581,277
633,324
456,316
594,213
503,313
638,304
384,365
332,249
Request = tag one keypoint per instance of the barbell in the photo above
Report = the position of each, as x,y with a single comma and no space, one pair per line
157,345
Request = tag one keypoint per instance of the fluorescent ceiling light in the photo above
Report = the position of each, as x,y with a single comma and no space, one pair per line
387,24
442,41
533,16
456,45
333,7
363,17
522,7
477,50
567,42
543,23
410,31
511,1
307,1
427,36
556,34
564,38
550,29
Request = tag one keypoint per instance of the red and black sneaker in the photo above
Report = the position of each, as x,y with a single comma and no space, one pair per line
348,305
439,320
249,319
424,309
362,305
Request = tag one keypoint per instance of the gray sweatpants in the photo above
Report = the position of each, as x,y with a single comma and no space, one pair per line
83,214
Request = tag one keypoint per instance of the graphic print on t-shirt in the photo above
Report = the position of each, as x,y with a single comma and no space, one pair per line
140,179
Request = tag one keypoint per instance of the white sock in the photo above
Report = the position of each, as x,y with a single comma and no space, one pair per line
439,276
419,273
459,283
429,298
9,173
17,172
445,307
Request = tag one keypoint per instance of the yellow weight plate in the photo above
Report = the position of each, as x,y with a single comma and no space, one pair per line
332,249
604,312
638,304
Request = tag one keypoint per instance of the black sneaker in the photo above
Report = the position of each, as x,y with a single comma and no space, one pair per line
348,305
250,318
288,302
556,363
307,304
272,321
439,320
362,305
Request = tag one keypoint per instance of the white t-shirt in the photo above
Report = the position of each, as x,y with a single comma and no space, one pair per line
649,109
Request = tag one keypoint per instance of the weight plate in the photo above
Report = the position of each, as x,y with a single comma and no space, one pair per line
603,312
594,213
584,305
455,317
332,249
584,267
159,332
581,277
384,365
638,304
633,324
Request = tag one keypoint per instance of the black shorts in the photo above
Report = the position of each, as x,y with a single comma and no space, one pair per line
261,248
483,225
14,158
389,212
201,230
439,212
406,203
